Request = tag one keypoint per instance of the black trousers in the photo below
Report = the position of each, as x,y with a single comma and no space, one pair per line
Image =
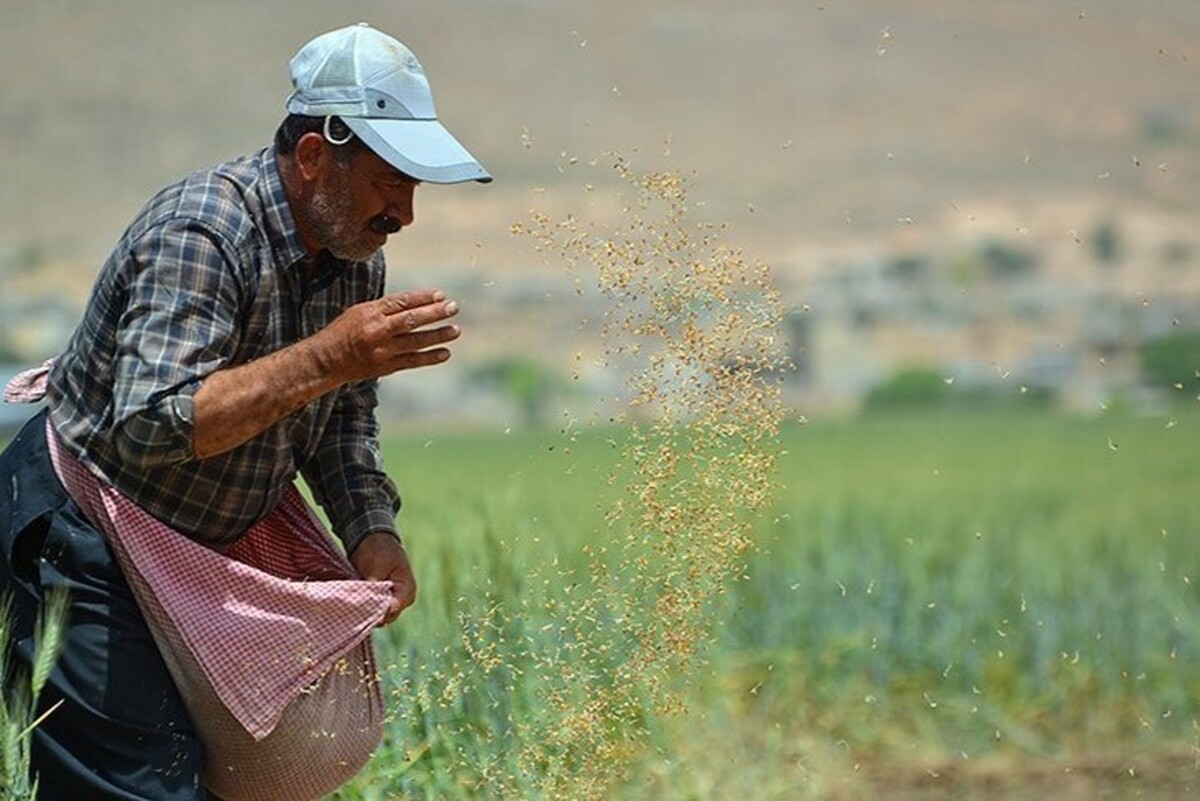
122,731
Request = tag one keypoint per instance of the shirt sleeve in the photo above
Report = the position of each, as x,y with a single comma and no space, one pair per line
179,325
346,472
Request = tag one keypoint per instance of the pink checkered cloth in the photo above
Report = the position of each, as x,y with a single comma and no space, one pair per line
268,640
29,386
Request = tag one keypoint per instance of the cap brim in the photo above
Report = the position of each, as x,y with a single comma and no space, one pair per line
423,149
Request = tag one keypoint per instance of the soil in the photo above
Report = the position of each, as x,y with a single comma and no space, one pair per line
1158,776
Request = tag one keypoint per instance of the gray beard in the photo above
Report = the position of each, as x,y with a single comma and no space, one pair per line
331,222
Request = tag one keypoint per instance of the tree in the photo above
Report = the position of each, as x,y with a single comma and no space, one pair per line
909,388
527,384
1173,361
1106,244
1005,262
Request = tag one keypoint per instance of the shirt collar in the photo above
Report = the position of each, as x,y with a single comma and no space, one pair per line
277,213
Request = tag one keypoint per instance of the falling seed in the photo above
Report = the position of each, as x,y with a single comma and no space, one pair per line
642,272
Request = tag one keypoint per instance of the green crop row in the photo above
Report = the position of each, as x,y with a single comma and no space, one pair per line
925,588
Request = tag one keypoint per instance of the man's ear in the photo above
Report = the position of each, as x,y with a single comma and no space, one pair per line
312,156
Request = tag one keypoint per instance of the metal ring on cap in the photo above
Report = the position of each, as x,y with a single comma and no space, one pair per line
329,134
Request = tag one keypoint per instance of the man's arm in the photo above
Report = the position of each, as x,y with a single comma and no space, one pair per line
368,340
347,477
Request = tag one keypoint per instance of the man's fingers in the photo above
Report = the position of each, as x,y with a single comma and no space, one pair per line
397,302
389,334
393,611
421,358
420,349
427,338
420,316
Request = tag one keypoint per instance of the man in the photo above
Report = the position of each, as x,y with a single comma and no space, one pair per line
233,341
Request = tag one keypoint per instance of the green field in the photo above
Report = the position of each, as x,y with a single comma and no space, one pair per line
996,606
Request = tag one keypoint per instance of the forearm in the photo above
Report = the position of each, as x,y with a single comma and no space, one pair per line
235,404
367,340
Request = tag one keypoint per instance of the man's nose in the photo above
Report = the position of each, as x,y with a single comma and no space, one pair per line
400,204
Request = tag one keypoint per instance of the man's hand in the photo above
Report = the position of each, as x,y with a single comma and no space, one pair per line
381,557
379,337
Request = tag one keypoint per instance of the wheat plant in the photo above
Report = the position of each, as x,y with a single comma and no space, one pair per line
22,689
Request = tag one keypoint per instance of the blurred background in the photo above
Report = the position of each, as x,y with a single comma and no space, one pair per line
987,207
993,201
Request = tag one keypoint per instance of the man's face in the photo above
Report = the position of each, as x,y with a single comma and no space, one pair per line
357,204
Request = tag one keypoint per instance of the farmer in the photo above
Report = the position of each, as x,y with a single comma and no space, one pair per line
232,342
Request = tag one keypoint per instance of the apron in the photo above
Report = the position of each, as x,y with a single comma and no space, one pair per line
268,639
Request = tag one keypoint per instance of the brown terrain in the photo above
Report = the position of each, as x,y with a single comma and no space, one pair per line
832,137
807,121
835,139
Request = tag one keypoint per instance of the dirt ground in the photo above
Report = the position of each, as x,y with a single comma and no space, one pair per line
1160,776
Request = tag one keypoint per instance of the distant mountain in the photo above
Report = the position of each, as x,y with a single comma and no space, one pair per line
805,119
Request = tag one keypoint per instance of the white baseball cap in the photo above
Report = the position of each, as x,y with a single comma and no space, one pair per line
377,87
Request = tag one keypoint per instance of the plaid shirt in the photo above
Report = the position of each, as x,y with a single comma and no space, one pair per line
211,274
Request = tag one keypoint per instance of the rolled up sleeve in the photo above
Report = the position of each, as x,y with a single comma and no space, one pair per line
180,325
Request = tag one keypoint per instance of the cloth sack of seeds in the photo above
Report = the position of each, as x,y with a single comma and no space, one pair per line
268,640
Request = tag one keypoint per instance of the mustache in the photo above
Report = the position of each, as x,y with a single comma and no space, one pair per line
383,224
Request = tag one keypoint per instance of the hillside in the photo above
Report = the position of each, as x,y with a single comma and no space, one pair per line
834,139
798,116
